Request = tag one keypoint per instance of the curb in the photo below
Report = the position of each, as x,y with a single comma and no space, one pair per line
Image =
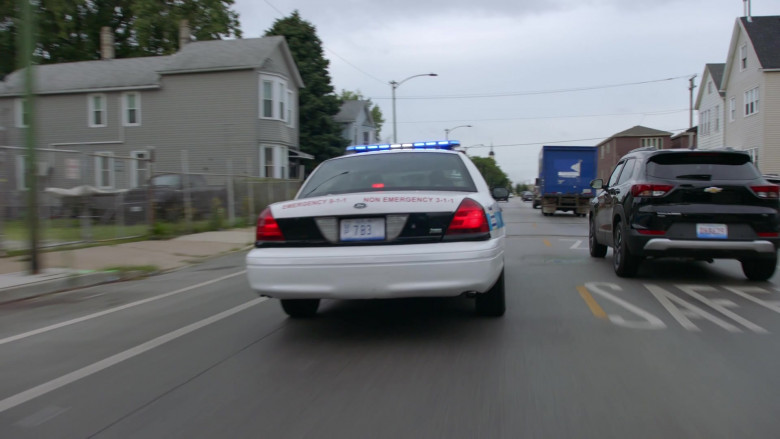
64,283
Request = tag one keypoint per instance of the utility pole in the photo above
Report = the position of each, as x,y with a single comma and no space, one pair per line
690,98
28,107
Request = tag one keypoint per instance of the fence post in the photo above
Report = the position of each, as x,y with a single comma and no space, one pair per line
4,196
231,195
250,193
86,225
185,167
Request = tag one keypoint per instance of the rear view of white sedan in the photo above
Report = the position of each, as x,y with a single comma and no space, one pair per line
386,221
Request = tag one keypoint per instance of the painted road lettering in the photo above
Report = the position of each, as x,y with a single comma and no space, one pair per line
646,321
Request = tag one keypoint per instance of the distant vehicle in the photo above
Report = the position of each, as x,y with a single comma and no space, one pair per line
413,221
528,196
565,173
680,203
171,193
501,193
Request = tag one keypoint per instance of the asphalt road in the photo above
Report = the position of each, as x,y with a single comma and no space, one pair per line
685,350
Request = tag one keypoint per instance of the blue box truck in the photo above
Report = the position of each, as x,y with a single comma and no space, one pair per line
565,173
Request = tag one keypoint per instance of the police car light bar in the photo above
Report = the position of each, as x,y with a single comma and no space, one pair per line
439,144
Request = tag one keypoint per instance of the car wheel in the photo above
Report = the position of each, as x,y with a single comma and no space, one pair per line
300,308
492,303
625,264
596,250
759,269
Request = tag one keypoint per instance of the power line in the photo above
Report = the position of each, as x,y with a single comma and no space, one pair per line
552,141
539,92
653,113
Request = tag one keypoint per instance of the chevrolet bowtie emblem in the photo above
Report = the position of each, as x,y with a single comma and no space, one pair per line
713,190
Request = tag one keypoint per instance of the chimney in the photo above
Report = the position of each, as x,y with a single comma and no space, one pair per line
748,14
106,43
184,33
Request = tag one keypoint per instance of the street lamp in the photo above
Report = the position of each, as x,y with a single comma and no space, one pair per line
448,130
394,85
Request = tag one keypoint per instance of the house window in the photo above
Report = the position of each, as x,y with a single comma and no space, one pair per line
282,99
704,123
655,142
273,161
21,172
289,108
753,152
709,88
104,170
751,101
732,109
96,110
131,109
268,99
743,57
716,125
22,113
139,168
365,138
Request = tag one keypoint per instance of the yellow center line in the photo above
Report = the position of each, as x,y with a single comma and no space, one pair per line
547,243
595,308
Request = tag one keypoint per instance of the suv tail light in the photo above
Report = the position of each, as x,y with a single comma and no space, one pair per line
650,190
469,218
267,227
771,191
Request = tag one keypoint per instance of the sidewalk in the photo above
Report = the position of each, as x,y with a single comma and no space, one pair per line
68,269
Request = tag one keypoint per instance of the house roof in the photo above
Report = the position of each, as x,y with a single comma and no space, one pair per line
89,75
144,72
350,110
640,131
716,71
764,33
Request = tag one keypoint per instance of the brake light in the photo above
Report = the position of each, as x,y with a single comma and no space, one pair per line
469,218
267,227
650,190
767,234
771,191
378,185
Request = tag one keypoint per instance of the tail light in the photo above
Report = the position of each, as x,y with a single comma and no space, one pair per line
768,234
770,191
650,190
651,232
469,218
267,227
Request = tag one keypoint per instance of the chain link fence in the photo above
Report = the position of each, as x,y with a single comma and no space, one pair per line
87,197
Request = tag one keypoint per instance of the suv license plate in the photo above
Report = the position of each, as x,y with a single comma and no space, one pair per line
363,229
712,231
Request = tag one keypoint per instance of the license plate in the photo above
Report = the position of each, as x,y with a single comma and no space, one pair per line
363,229
712,231
136,209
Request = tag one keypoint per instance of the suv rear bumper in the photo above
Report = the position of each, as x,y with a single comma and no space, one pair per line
715,249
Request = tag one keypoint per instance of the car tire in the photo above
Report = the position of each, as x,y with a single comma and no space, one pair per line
300,308
493,302
596,250
759,269
625,264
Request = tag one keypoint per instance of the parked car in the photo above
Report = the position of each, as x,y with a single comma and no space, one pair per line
171,192
383,223
528,196
681,203
501,194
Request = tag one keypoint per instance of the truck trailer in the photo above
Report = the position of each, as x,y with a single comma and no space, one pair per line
565,173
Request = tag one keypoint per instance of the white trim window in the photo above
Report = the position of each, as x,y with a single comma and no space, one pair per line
139,168
104,170
276,100
97,114
716,124
743,57
21,173
131,109
655,142
274,161
704,123
751,101
21,113
732,109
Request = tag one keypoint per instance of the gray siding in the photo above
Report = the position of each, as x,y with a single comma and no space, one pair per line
771,115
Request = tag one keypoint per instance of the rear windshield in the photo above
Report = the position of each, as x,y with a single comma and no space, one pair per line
702,166
401,171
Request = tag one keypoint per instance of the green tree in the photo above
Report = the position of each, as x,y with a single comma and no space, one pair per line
70,30
491,172
521,187
376,112
320,135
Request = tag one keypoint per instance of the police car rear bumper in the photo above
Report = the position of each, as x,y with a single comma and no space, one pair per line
374,272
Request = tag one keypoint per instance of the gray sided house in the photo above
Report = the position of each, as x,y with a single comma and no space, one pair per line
218,106
357,124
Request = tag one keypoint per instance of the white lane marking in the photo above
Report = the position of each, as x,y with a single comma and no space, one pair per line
577,244
683,310
650,321
693,291
113,310
743,292
27,395
41,416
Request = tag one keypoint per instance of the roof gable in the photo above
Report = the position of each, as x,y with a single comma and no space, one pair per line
714,71
764,34
350,110
641,131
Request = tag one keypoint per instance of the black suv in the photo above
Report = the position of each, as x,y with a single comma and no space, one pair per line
701,204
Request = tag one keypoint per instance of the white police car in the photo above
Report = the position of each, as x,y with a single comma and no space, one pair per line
385,221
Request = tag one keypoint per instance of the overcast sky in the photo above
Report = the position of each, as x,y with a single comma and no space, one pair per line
523,73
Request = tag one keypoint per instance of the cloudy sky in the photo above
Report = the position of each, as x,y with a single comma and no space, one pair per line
522,73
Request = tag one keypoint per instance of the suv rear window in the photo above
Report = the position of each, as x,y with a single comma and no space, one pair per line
702,166
403,171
